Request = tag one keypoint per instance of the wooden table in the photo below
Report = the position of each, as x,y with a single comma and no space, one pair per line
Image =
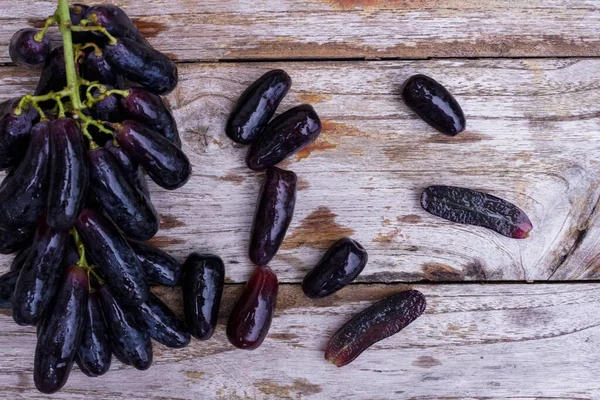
505,318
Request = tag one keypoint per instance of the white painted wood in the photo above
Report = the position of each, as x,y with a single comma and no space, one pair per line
532,139
251,29
474,341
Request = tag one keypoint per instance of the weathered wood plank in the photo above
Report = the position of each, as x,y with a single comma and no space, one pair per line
212,30
474,341
532,139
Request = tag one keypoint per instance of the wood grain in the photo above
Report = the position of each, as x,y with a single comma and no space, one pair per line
531,139
317,29
474,341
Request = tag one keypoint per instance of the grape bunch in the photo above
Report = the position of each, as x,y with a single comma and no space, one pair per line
75,205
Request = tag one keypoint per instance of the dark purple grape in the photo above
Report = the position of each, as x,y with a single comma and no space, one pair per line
160,268
39,278
149,109
108,109
285,135
95,68
8,282
162,323
113,256
94,355
77,12
19,260
340,265
128,337
137,62
204,277
383,319
14,134
129,209
24,50
116,22
164,162
61,332
434,104
23,196
273,216
467,206
14,240
256,106
54,75
70,173
131,169
250,320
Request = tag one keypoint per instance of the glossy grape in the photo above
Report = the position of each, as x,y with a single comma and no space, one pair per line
19,260
40,275
131,169
149,109
128,337
250,320
434,104
164,162
94,355
23,196
340,265
107,109
114,257
26,51
60,335
273,216
14,134
14,240
95,67
128,208
162,323
54,76
70,174
256,106
285,135
116,22
160,268
204,278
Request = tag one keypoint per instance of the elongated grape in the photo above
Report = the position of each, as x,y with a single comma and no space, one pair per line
108,109
95,68
256,106
61,332
467,206
164,162
285,135
94,355
160,268
383,319
434,104
69,178
273,216
128,337
115,20
114,257
19,260
140,63
131,169
26,51
14,134
129,209
14,240
340,265
39,278
149,109
8,282
250,320
162,323
203,282
77,12
54,76
23,196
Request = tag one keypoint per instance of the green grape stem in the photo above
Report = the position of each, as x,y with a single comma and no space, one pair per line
83,263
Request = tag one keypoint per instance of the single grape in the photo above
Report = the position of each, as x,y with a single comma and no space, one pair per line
162,323
14,240
164,162
26,51
95,68
160,268
14,133
54,76
19,260
131,169
116,22
108,109
94,355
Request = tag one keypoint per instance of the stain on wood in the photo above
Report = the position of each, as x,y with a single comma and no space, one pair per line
313,98
316,146
441,272
426,362
318,230
298,389
169,221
